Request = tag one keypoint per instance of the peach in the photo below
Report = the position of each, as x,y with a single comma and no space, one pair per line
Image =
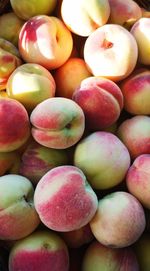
18,217
69,76
57,123
142,250
101,100
124,13
98,257
136,92
30,84
14,125
64,199
27,9
10,26
9,61
78,238
83,17
40,251
37,160
103,158
9,162
138,179
103,52
119,220
135,134
45,40
140,31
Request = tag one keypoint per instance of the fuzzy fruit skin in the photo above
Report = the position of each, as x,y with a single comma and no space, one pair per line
119,221
64,200
103,158
57,45
40,251
101,100
57,123
98,257
16,207
14,125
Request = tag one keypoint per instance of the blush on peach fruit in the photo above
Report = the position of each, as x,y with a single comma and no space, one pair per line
10,26
103,158
14,125
27,9
69,76
18,217
45,40
64,199
9,61
57,123
83,17
101,100
119,220
111,51
30,84
9,162
124,13
78,238
136,92
98,257
40,251
135,134
141,32
138,179
38,160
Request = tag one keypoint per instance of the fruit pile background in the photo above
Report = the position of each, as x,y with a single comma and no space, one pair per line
74,135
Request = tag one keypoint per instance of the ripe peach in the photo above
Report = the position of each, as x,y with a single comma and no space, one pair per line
138,179
27,9
14,125
136,92
101,100
45,40
140,31
30,84
64,200
119,220
57,123
83,17
69,76
103,52
98,257
135,134
40,251
37,160
103,158
18,217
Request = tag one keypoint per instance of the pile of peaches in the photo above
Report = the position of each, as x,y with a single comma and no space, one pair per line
75,136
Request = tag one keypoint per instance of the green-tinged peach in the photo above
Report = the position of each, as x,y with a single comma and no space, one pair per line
57,123
119,220
10,26
134,132
40,251
64,199
38,160
83,17
103,52
14,125
45,40
69,76
18,217
27,9
30,84
103,158
101,258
